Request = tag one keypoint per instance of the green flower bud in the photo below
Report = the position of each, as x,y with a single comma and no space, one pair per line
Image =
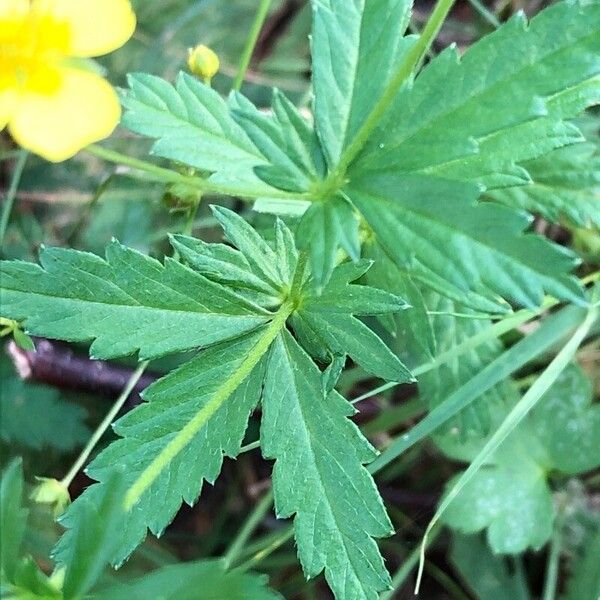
53,492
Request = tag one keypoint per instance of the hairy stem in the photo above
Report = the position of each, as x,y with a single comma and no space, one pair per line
12,192
187,433
257,25
106,422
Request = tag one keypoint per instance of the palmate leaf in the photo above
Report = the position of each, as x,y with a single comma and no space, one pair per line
476,117
126,303
198,414
565,186
562,433
319,475
473,253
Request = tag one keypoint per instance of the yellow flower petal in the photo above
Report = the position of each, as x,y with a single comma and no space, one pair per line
83,109
13,8
97,26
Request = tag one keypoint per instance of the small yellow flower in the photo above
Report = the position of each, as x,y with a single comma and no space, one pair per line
203,62
52,105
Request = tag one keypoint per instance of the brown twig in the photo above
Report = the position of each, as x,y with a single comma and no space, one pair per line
58,365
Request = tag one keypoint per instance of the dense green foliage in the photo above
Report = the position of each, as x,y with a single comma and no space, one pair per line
399,248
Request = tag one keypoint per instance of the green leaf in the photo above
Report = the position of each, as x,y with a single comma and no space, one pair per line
435,230
92,545
319,475
477,116
568,424
182,582
355,46
149,430
13,518
35,416
325,227
511,499
487,411
565,186
584,583
285,139
487,575
413,327
510,496
126,303
329,318
191,122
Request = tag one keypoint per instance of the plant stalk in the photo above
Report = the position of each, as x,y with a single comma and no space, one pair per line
253,521
12,193
106,422
257,25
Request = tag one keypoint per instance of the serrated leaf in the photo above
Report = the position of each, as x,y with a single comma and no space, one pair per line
170,404
355,46
191,122
329,320
499,104
478,418
126,303
285,139
13,518
182,582
336,506
413,327
325,227
436,231
35,416
565,186
92,545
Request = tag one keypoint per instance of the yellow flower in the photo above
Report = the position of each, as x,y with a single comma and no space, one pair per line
52,105
203,62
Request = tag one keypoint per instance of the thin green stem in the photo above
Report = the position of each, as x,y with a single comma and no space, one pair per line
257,25
12,193
106,422
407,567
199,420
412,58
250,447
286,535
516,415
253,521
493,332
551,583
487,15
160,174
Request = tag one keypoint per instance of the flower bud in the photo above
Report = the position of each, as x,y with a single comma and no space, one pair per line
203,62
53,492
